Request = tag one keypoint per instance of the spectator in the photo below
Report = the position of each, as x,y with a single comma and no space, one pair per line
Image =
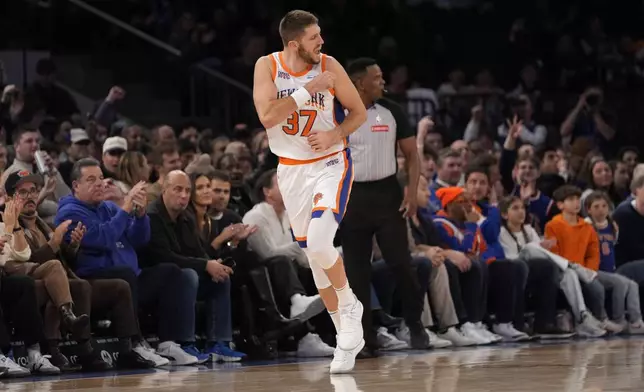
19,305
448,173
530,132
57,102
629,155
108,251
134,136
132,169
600,176
187,151
175,240
165,158
623,289
240,200
105,114
113,148
577,242
629,250
163,133
3,158
101,296
588,120
621,178
26,143
78,149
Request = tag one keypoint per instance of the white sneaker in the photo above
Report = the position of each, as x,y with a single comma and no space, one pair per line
470,330
305,308
148,353
345,361
435,341
39,363
610,326
387,341
636,328
13,369
351,334
458,338
483,331
588,327
402,333
509,333
175,354
311,346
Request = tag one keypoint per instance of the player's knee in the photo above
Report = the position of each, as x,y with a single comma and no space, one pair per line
319,277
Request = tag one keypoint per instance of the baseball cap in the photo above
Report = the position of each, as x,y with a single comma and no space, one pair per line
78,135
114,143
16,178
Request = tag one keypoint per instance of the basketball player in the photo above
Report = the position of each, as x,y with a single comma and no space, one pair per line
300,95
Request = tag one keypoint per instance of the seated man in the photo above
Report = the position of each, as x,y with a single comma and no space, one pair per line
175,240
108,251
274,244
100,295
18,304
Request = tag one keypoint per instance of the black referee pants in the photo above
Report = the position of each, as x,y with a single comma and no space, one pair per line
373,209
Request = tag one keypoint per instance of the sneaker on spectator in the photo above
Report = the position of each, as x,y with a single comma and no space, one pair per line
485,332
222,352
311,346
468,329
509,333
457,338
305,308
636,328
13,369
176,354
589,327
387,341
39,363
345,360
147,352
435,341
351,335
133,360
190,349
610,326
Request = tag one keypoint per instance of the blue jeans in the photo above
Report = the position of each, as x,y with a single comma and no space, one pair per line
384,281
217,296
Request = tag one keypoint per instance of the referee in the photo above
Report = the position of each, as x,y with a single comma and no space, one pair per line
377,206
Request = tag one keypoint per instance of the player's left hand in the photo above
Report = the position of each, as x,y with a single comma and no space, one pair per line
323,140
409,206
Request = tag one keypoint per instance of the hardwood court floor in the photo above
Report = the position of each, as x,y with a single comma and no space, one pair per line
581,366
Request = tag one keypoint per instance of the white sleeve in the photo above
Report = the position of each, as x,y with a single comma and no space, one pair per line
537,139
264,243
533,236
509,245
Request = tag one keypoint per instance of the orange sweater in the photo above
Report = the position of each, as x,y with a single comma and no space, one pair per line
577,243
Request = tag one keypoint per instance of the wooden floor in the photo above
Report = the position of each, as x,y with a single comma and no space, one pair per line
588,366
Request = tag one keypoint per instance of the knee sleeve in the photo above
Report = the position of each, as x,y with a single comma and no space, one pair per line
319,240
319,275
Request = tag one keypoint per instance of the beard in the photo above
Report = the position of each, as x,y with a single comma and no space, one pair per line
306,56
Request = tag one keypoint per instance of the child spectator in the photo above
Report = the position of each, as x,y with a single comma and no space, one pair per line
624,290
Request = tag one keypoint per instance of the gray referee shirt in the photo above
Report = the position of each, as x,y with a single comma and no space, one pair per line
373,145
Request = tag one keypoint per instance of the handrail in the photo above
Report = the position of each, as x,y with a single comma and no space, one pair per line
158,43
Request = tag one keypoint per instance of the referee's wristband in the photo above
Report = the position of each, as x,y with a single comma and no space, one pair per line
301,96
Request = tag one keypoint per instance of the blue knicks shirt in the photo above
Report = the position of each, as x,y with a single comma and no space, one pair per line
607,239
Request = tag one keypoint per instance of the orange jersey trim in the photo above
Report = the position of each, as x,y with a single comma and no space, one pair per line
287,69
290,161
274,65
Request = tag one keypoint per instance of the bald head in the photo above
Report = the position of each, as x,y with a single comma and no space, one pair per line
176,191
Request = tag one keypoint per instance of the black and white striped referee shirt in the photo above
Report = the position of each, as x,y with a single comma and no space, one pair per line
373,145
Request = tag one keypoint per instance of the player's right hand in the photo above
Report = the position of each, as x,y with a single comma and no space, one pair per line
324,81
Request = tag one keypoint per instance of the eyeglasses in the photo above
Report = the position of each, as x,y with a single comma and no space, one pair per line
24,193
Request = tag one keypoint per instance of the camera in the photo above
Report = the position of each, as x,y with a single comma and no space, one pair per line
593,100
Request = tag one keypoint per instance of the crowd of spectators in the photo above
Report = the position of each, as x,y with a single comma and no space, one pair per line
522,196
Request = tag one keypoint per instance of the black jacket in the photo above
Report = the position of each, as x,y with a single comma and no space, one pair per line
173,242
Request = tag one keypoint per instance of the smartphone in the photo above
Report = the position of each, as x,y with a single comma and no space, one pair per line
229,262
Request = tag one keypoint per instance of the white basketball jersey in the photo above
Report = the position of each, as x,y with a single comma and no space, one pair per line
288,140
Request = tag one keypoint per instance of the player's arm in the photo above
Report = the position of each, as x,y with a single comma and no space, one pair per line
346,93
271,111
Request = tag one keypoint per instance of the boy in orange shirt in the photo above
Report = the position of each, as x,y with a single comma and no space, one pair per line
576,240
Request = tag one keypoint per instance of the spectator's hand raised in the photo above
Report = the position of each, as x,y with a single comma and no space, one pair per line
514,128
245,231
116,94
217,271
133,197
60,231
11,213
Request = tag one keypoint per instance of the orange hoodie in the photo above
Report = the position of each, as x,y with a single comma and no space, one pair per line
577,243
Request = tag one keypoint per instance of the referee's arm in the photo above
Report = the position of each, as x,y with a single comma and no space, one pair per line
406,138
